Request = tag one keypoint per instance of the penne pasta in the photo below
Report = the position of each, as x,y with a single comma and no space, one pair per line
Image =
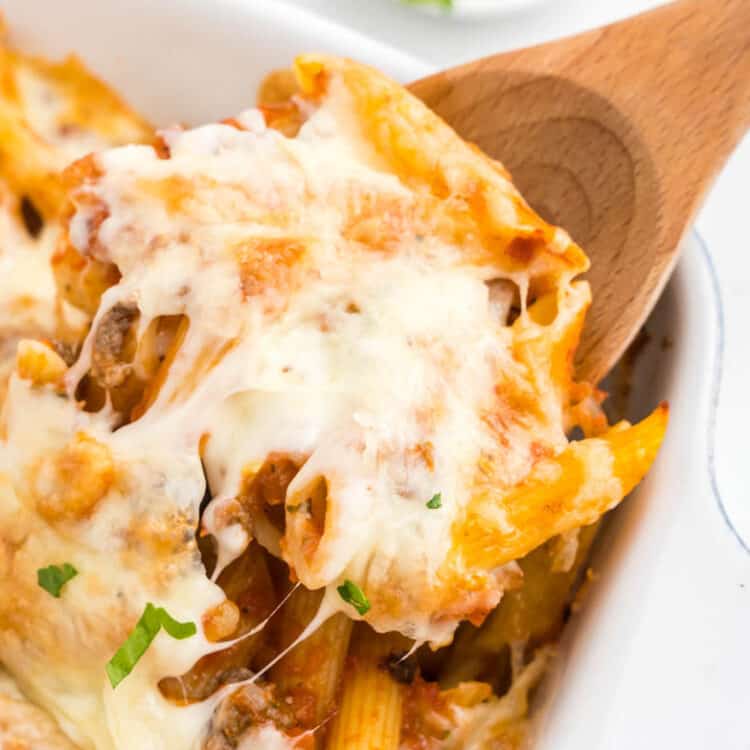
80,114
484,204
370,712
532,614
322,348
310,674
567,491
276,100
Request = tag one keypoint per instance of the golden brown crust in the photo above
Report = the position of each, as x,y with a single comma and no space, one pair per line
477,206
68,485
87,110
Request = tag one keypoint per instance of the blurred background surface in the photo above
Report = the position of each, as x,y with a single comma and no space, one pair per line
446,37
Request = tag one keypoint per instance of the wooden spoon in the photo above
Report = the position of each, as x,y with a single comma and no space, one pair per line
616,135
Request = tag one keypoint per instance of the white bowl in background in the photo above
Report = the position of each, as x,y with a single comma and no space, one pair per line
189,61
468,9
659,656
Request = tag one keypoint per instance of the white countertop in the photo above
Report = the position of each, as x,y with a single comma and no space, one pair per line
442,41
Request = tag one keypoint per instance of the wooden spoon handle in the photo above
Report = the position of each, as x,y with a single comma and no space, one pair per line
615,134
684,80
680,74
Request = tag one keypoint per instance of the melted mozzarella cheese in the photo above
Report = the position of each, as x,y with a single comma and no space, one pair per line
28,298
23,726
498,722
46,107
360,396
265,738
69,111
376,364
119,571
27,289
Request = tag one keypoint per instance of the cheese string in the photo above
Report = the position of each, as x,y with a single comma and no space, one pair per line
222,645
326,610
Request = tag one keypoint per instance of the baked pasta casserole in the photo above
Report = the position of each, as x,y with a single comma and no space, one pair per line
293,451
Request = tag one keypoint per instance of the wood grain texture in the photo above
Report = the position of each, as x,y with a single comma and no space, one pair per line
616,135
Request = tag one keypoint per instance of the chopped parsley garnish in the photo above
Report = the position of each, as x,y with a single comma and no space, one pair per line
146,629
435,502
353,594
54,577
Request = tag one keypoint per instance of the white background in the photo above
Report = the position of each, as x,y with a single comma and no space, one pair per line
723,222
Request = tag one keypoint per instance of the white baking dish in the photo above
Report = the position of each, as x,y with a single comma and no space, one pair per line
659,657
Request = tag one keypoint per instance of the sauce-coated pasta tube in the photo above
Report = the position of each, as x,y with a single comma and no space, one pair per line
369,716
310,674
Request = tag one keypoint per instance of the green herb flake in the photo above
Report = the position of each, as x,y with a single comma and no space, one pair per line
353,594
54,577
136,644
435,502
